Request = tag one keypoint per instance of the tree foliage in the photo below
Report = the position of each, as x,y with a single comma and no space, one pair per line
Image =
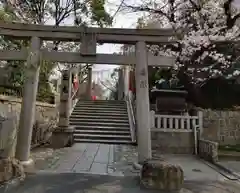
203,31
41,11
56,12
206,47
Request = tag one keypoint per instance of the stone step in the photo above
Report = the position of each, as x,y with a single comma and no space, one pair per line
125,117
105,112
100,108
105,128
102,132
103,101
106,137
84,120
116,142
75,123
92,113
101,104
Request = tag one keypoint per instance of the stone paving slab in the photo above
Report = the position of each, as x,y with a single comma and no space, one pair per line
82,165
102,155
85,183
89,158
99,168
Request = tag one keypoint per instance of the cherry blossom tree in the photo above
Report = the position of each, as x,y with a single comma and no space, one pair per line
206,35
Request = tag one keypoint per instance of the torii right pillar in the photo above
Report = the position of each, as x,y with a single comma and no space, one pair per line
142,104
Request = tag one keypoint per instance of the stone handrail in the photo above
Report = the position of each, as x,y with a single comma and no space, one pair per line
208,150
73,100
131,117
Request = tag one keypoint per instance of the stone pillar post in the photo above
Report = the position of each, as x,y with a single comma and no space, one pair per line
89,84
63,134
27,116
142,104
65,97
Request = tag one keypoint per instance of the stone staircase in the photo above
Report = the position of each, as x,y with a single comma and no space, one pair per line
101,121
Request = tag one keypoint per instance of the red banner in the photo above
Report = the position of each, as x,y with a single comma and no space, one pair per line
75,83
132,86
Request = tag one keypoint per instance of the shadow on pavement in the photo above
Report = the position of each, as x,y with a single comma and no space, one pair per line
86,183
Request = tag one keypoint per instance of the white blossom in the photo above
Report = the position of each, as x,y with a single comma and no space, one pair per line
205,27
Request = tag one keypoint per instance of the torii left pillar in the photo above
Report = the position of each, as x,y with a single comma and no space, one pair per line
27,115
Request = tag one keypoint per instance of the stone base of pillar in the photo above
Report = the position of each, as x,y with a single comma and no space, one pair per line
62,137
29,166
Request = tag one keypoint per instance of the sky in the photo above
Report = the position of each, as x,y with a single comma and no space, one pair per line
121,20
236,3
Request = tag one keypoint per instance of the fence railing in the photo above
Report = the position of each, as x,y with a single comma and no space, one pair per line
74,97
175,122
131,116
73,100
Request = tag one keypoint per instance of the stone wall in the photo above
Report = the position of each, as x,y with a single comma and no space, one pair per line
12,105
221,126
173,142
10,108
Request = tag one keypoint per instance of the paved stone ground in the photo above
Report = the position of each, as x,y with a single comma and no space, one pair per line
78,170
194,169
88,183
230,160
87,158
115,160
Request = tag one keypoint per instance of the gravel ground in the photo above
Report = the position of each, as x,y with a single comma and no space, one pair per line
124,157
46,157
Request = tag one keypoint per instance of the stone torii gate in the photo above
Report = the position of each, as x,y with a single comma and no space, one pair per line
89,37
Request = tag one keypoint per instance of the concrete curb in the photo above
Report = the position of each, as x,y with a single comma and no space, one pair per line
223,172
227,170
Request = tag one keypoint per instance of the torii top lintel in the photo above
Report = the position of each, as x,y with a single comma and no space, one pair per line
73,33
